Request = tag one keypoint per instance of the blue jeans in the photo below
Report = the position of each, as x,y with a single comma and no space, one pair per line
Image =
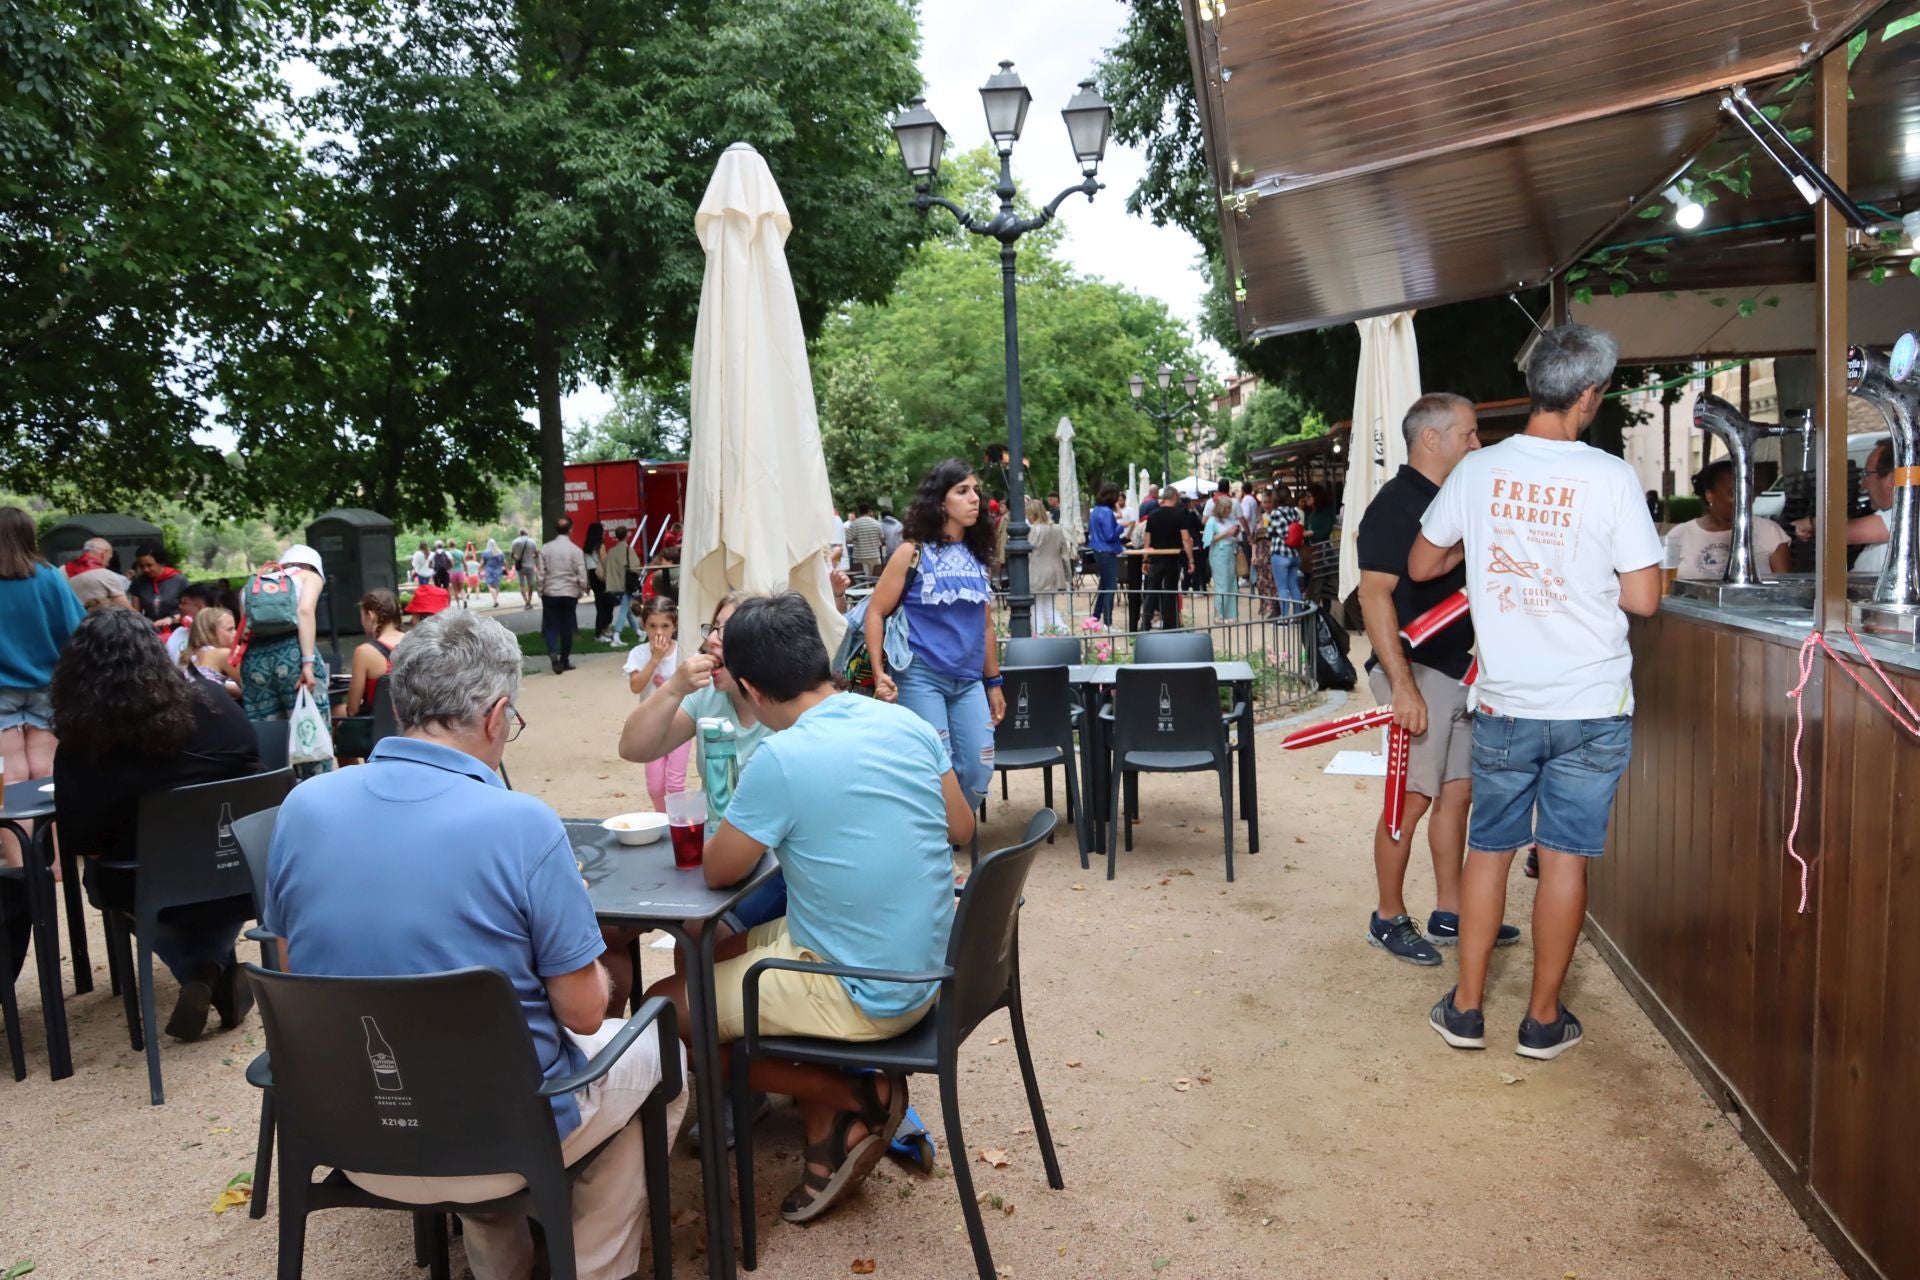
1286,578
1109,562
1223,557
1546,782
623,617
957,709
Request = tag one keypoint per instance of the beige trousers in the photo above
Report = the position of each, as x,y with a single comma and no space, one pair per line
609,1198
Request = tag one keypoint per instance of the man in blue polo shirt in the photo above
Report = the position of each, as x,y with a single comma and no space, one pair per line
858,800
421,861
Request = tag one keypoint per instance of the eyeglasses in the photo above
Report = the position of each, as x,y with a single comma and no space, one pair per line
715,631
519,722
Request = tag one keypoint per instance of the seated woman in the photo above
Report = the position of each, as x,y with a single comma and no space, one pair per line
380,620
1700,550
208,654
130,725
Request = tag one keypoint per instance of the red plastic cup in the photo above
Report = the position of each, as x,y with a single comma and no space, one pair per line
687,827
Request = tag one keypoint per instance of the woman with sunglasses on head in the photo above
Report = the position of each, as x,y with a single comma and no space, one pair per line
941,577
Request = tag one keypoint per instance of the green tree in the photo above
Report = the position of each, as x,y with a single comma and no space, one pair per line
935,347
643,423
862,434
528,171
143,190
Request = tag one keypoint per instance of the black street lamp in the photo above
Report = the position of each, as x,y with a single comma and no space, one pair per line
1089,120
1166,414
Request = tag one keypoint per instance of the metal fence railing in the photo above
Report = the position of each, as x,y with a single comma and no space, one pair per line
1272,635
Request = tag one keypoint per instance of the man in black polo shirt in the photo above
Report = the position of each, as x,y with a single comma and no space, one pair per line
1170,549
1422,685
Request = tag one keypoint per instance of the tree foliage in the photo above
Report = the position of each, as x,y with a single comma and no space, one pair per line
643,423
935,348
862,435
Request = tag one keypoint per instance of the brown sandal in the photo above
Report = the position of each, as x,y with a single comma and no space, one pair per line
818,1192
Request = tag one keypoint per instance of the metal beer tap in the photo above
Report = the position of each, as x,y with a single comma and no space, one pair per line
1890,385
1739,433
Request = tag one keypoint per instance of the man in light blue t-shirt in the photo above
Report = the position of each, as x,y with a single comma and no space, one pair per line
859,803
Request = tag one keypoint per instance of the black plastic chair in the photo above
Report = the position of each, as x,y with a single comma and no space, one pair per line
9,1005
384,723
273,736
185,854
1043,651
255,834
455,1090
1197,646
1037,733
982,974
1166,721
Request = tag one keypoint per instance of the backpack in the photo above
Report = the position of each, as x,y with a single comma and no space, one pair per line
1296,534
442,562
271,602
1332,669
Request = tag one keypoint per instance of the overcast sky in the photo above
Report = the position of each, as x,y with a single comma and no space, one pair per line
1054,44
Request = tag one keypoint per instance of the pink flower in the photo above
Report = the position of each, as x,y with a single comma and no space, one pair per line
1092,624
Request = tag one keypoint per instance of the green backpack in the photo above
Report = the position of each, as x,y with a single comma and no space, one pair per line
272,602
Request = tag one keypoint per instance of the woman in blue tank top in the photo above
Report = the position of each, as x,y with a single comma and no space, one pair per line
939,577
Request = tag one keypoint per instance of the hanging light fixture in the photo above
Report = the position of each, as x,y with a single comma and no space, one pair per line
1089,121
921,139
1006,100
1688,213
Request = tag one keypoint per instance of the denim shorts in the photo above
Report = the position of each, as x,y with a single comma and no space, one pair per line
29,708
1546,782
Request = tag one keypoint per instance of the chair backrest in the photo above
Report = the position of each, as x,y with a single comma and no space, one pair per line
1173,646
384,724
1043,651
273,736
1169,709
1039,709
986,924
429,1076
255,834
184,841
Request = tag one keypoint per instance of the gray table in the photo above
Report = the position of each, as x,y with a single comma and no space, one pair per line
1094,680
31,800
638,887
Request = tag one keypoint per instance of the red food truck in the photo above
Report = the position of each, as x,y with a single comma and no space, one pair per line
646,498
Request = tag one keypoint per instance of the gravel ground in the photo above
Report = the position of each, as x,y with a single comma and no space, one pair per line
1322,1130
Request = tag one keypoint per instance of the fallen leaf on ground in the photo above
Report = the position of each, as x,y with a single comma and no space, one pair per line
1205,1077
1160,1264
1296,840
998,1040
225,1128
1266,1222
619,795
25,1265
863,1266
1183,872
232,1198
1079,888
995,1157
681,1217
1199,831
1073,1062
601,776
1166,882
1507,1077
1182,1085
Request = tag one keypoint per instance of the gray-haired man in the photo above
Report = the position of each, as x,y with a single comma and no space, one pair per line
1422,685
1558,549
420,861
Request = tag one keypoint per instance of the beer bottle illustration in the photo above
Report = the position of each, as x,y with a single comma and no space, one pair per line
223,842
1020,718
386,1070
1166,711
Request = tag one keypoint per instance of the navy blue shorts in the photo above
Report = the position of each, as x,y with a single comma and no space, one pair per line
768,902
1546,782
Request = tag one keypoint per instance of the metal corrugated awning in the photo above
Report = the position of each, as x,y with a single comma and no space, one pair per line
1386,154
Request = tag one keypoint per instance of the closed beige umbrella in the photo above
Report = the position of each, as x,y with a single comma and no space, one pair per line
1388,384
759,512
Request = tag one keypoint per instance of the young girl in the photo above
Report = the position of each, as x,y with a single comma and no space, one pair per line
648,666
209,644
472,563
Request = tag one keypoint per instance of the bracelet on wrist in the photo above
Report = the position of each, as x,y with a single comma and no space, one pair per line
307,661
993,682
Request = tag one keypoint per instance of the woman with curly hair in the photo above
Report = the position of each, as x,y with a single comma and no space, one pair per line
940,577
129,724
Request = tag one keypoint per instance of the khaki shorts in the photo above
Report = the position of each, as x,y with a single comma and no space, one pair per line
1444,753
796,1004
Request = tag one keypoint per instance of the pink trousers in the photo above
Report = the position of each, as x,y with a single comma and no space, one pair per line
668,775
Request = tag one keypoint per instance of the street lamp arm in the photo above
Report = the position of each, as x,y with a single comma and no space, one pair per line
924,200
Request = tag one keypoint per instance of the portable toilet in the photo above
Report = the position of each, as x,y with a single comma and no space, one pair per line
356,547
64,541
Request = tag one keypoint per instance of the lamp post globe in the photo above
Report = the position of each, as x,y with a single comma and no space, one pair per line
1089,122
1006,101
921,140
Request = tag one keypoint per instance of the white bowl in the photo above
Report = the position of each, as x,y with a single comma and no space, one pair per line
637,828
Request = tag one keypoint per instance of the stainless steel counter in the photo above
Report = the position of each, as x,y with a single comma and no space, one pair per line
1788,624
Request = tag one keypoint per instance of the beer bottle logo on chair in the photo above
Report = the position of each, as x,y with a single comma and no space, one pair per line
1166,711
386,1069
1021,716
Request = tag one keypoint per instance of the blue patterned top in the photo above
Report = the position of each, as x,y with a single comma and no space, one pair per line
945,602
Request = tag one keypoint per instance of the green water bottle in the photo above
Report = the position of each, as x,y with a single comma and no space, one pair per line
719,765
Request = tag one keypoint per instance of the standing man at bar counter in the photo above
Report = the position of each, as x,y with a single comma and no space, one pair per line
420,861
1558,549
1422,685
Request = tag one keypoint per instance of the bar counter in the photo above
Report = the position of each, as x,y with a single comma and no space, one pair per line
1807,1025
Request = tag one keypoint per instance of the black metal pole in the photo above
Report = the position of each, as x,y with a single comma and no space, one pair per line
1019,594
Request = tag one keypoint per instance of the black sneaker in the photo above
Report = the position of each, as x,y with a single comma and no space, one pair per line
1400,937
1462,1029
1443,929
1533,863
1550,1041
553,660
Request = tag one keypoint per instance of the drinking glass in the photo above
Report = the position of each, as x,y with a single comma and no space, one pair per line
687,827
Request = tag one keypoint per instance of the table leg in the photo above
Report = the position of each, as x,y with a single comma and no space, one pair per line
1249,794
710,1100
76,920
43,903
1098,773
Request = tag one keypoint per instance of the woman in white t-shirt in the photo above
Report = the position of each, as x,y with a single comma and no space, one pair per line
1700,550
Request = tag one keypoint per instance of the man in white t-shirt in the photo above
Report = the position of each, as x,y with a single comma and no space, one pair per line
1558,549
1875,530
